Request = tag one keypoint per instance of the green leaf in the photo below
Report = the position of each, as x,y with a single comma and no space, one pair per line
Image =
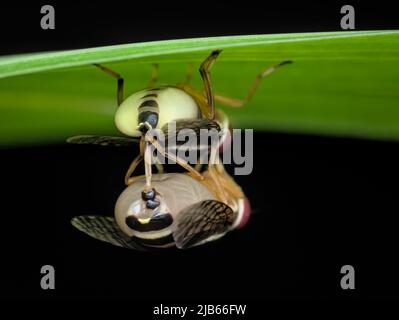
341,83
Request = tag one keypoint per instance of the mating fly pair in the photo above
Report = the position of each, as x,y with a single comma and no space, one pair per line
171,209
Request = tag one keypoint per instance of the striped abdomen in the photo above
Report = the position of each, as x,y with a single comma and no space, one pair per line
156,233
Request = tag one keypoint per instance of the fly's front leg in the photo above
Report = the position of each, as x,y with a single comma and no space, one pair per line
238,103
120,82
205,71
147,167
149,193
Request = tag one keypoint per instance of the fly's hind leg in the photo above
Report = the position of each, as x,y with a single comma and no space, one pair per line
118,77
238,103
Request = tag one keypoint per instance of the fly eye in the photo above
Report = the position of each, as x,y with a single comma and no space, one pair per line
148,195
150,117
152,204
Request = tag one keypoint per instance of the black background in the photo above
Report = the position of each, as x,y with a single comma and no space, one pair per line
321,202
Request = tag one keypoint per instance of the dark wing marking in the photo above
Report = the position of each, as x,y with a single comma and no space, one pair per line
104,140
201,221
194,134
104,229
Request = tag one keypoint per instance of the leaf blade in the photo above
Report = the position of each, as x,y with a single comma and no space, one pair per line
341,84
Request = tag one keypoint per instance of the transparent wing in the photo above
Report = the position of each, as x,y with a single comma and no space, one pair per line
194,124
191,128
201,221
104,140
104,229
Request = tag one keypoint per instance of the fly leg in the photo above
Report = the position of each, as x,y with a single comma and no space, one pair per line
120,82
238,103
149,193
193,172
220,182
205,71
